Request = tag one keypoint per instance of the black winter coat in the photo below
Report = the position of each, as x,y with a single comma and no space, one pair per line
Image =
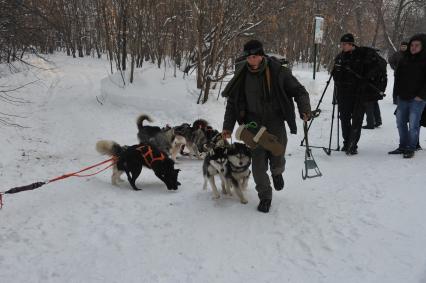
352,73
410,76
345,80
283,85
395,59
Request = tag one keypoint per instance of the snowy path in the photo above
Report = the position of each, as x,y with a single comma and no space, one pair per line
361,222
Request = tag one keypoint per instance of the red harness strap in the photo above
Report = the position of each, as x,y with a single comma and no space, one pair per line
148,155
113,160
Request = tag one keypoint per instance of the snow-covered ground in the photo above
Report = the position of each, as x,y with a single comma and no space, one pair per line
361,222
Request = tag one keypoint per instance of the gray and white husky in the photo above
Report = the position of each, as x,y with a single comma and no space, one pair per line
215,163
191,137
238,169
167,139
162,138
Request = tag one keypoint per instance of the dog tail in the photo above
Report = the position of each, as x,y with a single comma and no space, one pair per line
110,148
141,118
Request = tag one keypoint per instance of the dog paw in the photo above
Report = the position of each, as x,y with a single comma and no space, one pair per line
216,197
244,201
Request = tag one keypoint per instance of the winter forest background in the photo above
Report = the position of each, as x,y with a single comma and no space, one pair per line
73,72
205,36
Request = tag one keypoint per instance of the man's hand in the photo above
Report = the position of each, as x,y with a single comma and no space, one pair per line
418,98
226,134
306,116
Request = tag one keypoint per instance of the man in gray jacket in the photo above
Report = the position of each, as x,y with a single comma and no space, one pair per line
262,91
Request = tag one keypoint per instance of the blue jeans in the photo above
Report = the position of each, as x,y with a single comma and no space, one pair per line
409,112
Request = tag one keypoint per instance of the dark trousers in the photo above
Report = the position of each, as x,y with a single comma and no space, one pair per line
372,113
351,114
261,158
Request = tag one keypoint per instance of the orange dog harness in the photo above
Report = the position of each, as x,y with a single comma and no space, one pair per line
148,155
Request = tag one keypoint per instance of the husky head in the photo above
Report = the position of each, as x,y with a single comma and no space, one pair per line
200,124
239,155
168,174
219,155
183,130
192,135
216,140
218,158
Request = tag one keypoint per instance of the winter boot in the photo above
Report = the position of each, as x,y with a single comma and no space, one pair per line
345,146
397,151
264,205
408,154
352,150
278,182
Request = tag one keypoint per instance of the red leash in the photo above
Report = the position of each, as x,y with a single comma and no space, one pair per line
36,185
113,159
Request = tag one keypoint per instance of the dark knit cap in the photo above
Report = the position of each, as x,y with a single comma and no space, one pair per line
253,47
404,43
418,37
349,38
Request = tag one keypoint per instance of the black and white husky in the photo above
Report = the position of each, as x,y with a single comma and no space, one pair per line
238,169
215,163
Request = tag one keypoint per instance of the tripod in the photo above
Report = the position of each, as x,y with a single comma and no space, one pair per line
316,113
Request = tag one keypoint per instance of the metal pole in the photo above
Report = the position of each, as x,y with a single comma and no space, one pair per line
319,103
315,58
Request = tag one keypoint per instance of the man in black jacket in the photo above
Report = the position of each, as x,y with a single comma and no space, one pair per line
350,75
262,91
410,88
394,61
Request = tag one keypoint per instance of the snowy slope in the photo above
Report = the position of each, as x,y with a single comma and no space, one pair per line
361,222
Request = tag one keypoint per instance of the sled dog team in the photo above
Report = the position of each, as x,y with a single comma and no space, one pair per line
158,149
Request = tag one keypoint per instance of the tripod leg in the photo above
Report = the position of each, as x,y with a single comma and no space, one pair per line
328,151
319,103
338,128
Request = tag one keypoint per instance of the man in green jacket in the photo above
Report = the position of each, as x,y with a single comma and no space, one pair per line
262,91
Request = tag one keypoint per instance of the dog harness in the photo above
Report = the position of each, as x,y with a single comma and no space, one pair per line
148,155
